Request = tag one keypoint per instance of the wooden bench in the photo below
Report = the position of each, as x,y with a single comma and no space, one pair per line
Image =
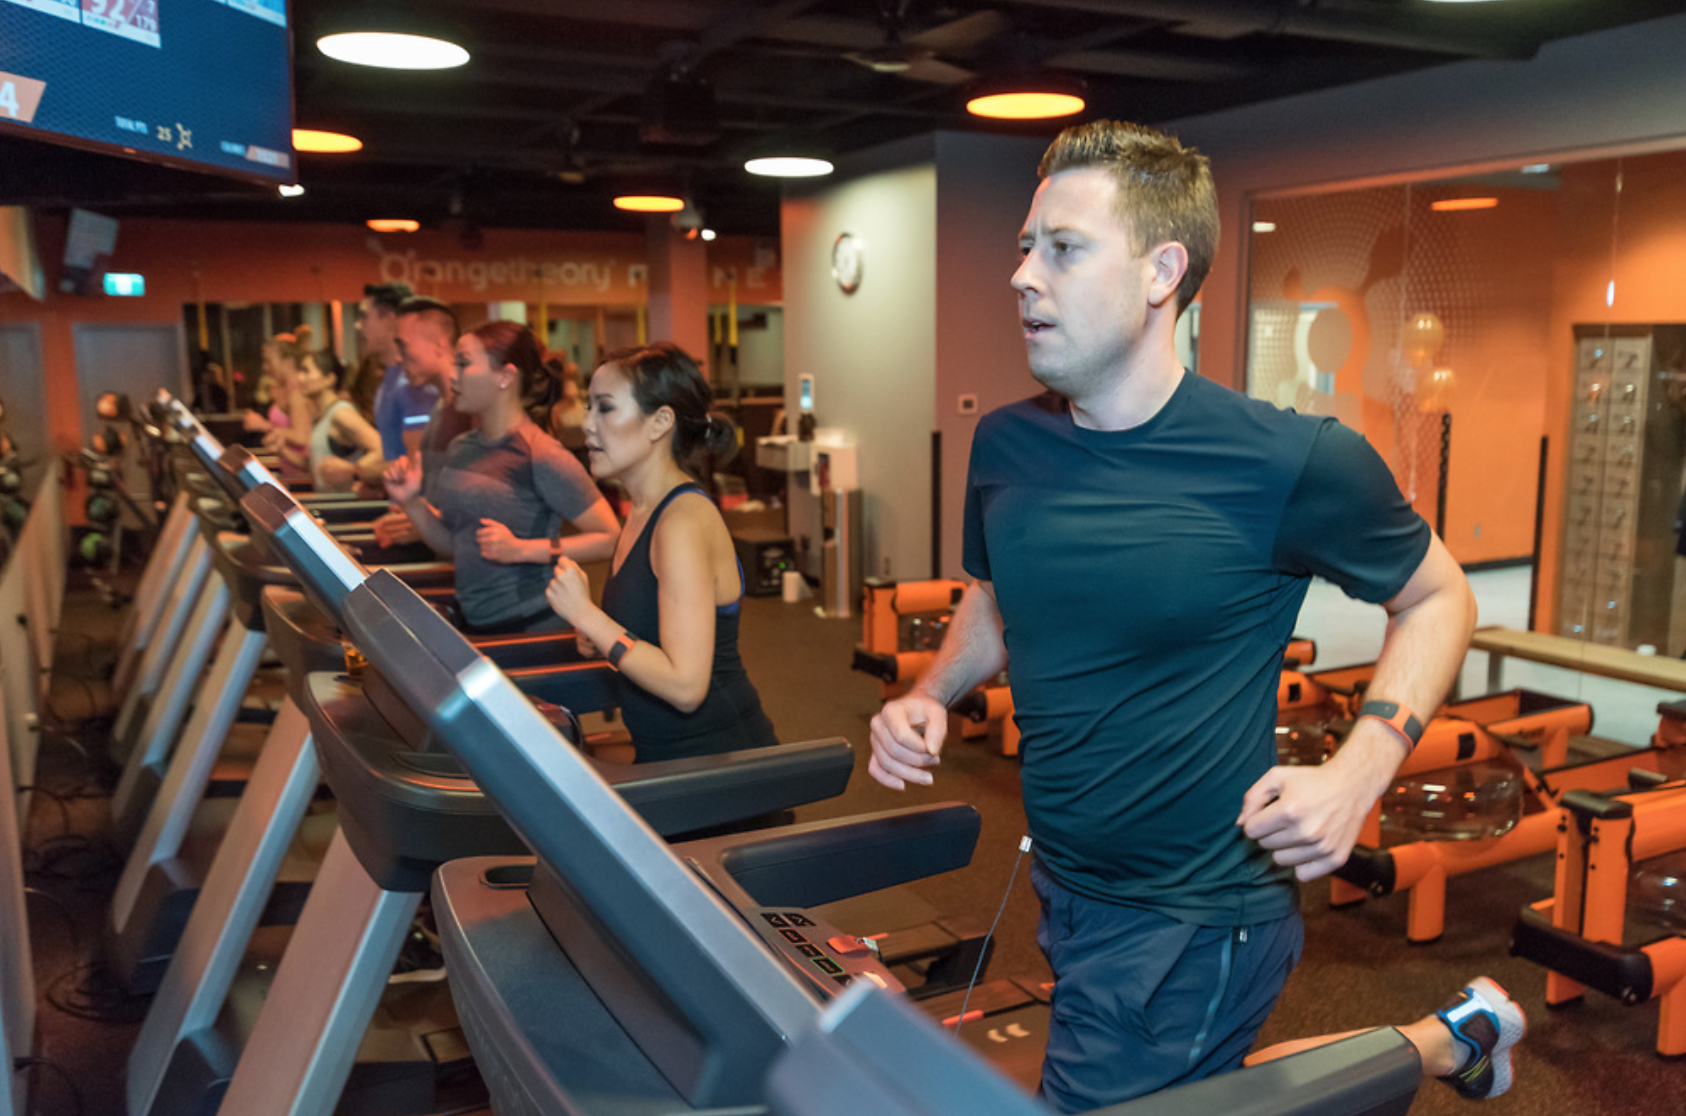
1663,672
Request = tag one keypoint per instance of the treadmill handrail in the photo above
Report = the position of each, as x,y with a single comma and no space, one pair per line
325,571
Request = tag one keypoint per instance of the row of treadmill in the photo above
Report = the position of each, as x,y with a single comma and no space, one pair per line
618,939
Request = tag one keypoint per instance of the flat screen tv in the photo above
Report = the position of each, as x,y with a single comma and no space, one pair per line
200,84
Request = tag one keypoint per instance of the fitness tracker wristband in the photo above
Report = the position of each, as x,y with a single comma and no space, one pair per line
618,651
1396,717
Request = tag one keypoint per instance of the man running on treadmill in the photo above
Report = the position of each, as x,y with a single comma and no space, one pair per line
1142,540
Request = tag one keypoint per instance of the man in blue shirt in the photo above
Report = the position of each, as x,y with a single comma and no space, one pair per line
1142,540
401,407
427,352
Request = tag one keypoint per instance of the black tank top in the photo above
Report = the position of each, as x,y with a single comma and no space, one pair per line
731,716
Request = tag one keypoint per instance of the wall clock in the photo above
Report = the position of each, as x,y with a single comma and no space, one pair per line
847,261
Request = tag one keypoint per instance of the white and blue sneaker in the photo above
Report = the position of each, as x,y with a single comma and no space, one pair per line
1485,1023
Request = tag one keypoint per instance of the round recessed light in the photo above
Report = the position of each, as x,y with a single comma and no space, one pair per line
1027,104
709,234
292,191
391,51
789,166
393,224
324,143
1264,226
649,203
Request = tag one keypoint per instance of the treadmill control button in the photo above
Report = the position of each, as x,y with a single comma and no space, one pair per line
847,945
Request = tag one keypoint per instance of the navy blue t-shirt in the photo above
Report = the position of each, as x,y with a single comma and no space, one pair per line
1149,580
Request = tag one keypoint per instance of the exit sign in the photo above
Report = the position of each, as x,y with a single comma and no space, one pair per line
125,284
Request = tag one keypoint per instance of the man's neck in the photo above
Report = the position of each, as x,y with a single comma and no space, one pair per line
1138,393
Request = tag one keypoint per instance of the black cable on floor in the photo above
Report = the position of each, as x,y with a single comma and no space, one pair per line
51,708
93,777
64,808
49,854
87,992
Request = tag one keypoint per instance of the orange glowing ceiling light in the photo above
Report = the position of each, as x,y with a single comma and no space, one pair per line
324,143
1455,205
393,224
1026,104
649,203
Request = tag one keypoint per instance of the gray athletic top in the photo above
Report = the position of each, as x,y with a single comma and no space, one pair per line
527,482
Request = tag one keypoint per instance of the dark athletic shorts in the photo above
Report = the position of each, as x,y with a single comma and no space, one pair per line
1143,1002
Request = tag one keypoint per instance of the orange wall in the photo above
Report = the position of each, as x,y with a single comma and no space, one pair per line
186,262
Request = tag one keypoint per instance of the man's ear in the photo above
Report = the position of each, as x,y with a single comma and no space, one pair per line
1170,264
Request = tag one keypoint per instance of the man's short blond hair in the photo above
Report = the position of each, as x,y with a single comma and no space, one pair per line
1165,190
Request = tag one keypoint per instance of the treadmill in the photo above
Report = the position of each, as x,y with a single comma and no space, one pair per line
160,809
403,806
615,975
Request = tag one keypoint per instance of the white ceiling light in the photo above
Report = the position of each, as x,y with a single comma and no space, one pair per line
391,51
789,166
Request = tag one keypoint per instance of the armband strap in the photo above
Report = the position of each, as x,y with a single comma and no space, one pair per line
618,651
1396,717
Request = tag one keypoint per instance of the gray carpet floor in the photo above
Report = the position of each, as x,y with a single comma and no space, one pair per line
1357,970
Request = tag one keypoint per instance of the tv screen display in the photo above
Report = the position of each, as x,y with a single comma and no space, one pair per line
203,84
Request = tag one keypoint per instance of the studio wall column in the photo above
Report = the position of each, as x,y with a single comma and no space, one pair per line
678,288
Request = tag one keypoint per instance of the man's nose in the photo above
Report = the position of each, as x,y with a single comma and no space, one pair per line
1024,276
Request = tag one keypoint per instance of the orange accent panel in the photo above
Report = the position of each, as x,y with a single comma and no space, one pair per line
927,596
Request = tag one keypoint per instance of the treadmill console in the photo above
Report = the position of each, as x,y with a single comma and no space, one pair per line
824,955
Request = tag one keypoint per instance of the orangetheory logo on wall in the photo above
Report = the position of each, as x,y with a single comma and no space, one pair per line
478,275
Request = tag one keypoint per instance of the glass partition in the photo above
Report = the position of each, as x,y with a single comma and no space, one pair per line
1512,344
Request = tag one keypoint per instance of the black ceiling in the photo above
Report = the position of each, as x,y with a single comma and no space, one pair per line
553,110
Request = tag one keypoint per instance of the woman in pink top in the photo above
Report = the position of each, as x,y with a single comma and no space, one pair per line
286,425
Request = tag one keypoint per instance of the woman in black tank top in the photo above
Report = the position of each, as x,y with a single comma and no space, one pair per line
669,619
